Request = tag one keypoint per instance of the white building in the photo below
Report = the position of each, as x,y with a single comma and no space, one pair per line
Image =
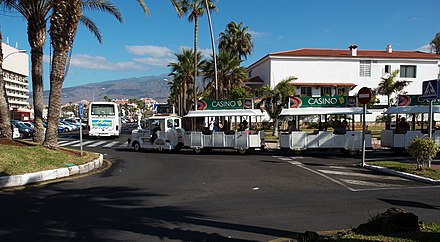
15,73
322,72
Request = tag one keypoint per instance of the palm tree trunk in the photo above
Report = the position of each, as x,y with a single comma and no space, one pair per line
5,119
56,85
275,128
196,31
37,90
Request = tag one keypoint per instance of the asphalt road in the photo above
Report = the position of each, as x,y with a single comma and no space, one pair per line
150,196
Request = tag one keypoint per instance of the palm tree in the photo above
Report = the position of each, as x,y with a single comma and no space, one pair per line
230,74
181,72
5,121
389,86
236,39
35,12
435,44
64,23
275,99
194,9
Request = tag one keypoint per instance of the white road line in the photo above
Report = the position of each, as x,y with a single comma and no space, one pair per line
344,173
371,184
62,141
294,162
329,178
123,145
97,143
297,157
111,144
84,143
284,159
70,143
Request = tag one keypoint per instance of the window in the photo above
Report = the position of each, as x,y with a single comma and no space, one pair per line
306,91
387,69
341,91
365,69
326,91
408,71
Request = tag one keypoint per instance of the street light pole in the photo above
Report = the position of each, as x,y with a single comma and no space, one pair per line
213,50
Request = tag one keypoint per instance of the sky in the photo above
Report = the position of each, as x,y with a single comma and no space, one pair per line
145,45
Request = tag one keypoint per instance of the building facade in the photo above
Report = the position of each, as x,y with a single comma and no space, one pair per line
15,73
328,72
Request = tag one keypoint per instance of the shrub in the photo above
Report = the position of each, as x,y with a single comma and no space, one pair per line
423,149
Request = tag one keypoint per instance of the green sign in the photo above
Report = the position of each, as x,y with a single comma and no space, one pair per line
412,100
220,104
314,102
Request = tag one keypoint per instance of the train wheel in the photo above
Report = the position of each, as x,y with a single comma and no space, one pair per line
136,146
197,150
242,151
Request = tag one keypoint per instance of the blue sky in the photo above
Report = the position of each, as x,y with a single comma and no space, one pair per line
144,45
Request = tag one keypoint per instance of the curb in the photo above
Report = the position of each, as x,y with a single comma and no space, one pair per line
403,174
41,176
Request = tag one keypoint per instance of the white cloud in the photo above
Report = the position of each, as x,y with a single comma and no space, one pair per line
425,48
257,35
150,50
205,52
151,61
101,63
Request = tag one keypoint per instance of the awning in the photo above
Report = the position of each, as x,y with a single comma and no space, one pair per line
412,109
225,113
322,111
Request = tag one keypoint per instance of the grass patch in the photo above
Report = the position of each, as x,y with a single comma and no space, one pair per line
408,168
429,232
17,160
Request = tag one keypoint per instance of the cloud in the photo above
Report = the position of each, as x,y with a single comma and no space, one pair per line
258,35
205,52
150,50
425,48
151,61
101,63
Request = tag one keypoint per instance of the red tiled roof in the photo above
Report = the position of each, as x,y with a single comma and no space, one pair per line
323,84
360,54
255,79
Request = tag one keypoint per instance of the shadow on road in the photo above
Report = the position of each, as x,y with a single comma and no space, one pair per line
105,213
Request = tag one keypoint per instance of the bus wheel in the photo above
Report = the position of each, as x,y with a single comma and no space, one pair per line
136,146
178,147
197,150
352,152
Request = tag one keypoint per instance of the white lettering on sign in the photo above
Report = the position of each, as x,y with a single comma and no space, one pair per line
364,95
222,104
323,101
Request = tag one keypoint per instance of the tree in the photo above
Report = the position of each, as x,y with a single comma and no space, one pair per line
5,120
63,27
435,44
275,99
194,9
230,74
107,99
181,72
36,14
237,40
389,86
242,92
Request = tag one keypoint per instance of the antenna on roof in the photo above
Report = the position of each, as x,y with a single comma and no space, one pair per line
7,40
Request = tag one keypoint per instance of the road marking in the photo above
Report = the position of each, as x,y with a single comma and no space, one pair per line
371,184
329,178
70,143
284,159
297,157
344,173
294,162
62,141
97,143
84,143
111,144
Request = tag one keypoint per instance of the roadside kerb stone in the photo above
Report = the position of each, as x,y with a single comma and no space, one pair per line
403,174
21,180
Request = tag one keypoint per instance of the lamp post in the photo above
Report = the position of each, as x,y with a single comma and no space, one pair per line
213,50
93,97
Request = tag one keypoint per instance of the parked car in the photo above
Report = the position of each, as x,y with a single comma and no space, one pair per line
66,128
24,130
71,124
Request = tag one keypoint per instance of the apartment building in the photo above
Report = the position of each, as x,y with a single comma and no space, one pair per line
328,72
15,73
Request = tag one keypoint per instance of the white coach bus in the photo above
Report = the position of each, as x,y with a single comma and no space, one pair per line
104,119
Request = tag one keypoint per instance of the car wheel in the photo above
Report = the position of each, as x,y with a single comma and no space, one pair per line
136,146
65,130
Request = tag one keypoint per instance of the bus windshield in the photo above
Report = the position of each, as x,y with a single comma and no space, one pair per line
103,109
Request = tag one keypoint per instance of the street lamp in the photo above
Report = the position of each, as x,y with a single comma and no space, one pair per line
93,97
213,51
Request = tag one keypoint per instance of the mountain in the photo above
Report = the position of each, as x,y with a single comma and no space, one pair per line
149,86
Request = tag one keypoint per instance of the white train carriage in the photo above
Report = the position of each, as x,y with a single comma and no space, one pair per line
350,142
